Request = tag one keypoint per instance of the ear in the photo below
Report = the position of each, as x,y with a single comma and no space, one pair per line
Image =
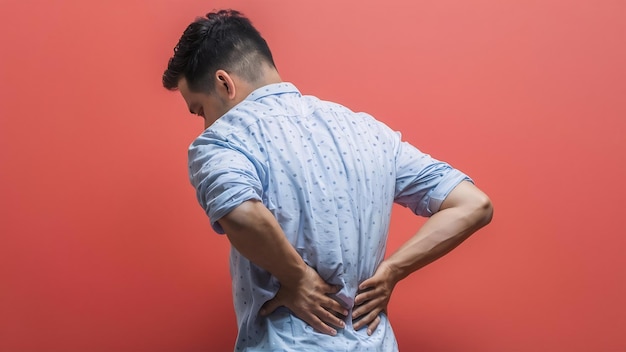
225,84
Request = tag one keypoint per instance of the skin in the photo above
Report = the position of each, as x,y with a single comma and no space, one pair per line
253,230
256,234
465,210
228,91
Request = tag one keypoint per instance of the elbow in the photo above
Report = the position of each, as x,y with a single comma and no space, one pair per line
472,205
483,210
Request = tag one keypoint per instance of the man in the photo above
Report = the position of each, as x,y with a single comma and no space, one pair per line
304,189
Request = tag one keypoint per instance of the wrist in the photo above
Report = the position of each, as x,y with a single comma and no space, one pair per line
293,273
394,273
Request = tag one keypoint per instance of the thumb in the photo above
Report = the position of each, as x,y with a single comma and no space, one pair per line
270,306
367,284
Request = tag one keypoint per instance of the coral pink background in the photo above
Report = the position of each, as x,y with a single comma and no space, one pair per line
104,248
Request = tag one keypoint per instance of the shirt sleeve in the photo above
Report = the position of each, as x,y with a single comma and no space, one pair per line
422,182
223,176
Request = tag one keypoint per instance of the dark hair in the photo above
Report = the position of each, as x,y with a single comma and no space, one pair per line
221,40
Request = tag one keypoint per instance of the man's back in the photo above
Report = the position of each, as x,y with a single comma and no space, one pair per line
330,177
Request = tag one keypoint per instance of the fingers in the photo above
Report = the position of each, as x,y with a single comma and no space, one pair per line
309,300
329,319
364,296
372,327
368,319
371,282
321,320
334,306
319,325
337,288
368,306
321,316
331,288
363,309
327,314
270,306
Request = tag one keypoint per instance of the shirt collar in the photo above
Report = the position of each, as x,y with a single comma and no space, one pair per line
272,89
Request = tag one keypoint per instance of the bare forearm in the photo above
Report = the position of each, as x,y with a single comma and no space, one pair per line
256,234
465,212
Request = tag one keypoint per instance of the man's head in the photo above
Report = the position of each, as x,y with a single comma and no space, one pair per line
217,62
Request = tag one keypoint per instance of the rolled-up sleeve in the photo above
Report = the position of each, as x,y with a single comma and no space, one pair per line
223,176
422,182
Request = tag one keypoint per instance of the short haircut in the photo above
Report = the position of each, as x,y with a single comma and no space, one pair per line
223,39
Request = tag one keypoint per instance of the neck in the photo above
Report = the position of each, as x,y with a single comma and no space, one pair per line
244,88
269,76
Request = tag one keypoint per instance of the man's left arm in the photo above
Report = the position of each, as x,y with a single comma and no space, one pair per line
465,210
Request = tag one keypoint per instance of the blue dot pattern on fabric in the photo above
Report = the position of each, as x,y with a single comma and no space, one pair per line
330,177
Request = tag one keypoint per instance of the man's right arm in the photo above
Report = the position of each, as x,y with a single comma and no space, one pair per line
255,233
229,190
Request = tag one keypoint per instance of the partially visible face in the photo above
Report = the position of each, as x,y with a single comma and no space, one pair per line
209,106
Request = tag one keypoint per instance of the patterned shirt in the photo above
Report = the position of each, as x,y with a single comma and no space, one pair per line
330,177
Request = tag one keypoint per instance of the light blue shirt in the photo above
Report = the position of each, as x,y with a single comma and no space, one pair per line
330,177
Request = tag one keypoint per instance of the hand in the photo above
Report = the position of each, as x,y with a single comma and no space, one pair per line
308,300
373,298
